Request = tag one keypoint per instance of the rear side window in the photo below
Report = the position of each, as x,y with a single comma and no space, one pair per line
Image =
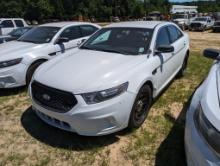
71,33
7,24
163,37
88,30
19,23
174,33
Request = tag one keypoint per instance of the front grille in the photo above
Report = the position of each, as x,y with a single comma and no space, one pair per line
195,25
217,24
53,99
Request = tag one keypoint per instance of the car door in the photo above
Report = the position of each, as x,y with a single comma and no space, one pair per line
179,43
164,71
7,26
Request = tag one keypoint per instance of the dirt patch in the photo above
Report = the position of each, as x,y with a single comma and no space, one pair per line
201,40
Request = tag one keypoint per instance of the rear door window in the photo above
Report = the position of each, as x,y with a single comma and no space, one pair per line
19,23
174,33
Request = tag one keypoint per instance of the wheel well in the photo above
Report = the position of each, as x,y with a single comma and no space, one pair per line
187,53
35,62
150,84
38,61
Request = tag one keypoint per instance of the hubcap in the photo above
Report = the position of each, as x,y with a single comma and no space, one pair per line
141,108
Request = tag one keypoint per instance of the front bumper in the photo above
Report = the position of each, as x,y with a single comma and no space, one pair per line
91,120
197,27
216,28
197,150
13,76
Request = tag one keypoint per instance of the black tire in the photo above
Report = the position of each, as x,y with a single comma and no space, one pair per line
141,107
31,71
184,66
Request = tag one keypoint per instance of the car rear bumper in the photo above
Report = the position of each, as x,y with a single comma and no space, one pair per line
13,76
91,120
197,150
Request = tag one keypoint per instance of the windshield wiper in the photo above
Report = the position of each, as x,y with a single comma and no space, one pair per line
106,50
115,51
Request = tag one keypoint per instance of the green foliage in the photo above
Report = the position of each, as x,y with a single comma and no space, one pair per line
102,10
69,9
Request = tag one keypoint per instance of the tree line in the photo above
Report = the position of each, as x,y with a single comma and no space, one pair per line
101,10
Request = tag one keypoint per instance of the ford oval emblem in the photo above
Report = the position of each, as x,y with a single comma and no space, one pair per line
46,97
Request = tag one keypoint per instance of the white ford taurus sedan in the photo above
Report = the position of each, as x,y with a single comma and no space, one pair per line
202,131
109,82
19,59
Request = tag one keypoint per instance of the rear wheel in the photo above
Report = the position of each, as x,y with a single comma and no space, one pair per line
31,71
141,107
184,67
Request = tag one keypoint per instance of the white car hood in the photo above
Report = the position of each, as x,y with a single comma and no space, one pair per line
16,49
210,101
86,71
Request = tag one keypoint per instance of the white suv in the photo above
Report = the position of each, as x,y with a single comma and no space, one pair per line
9,24
109,83
19,59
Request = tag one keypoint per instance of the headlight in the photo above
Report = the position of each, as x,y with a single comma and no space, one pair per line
97,97
10,63
207,130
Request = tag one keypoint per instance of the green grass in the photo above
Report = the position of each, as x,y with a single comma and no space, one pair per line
27,140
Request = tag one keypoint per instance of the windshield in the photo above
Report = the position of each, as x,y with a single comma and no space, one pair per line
40,35
201,19
179,16
19,32
128,41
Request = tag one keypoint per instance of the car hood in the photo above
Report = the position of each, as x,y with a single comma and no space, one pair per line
211,96
16,49
87,71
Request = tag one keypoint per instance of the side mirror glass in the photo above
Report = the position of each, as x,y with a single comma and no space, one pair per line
62,40
212,53
165,49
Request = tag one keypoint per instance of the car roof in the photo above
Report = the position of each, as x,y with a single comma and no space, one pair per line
11,19
63,24
137,24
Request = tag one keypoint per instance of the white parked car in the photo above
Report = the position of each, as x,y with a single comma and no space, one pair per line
9,24
201,24
202,131
109,83
19,59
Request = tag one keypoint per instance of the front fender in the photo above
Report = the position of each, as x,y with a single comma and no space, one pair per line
139,81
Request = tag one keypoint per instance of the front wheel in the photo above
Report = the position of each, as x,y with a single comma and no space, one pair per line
141,107
31,71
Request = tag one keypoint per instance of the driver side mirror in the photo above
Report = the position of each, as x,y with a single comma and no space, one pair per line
165,49
80,42
212,53
62,40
